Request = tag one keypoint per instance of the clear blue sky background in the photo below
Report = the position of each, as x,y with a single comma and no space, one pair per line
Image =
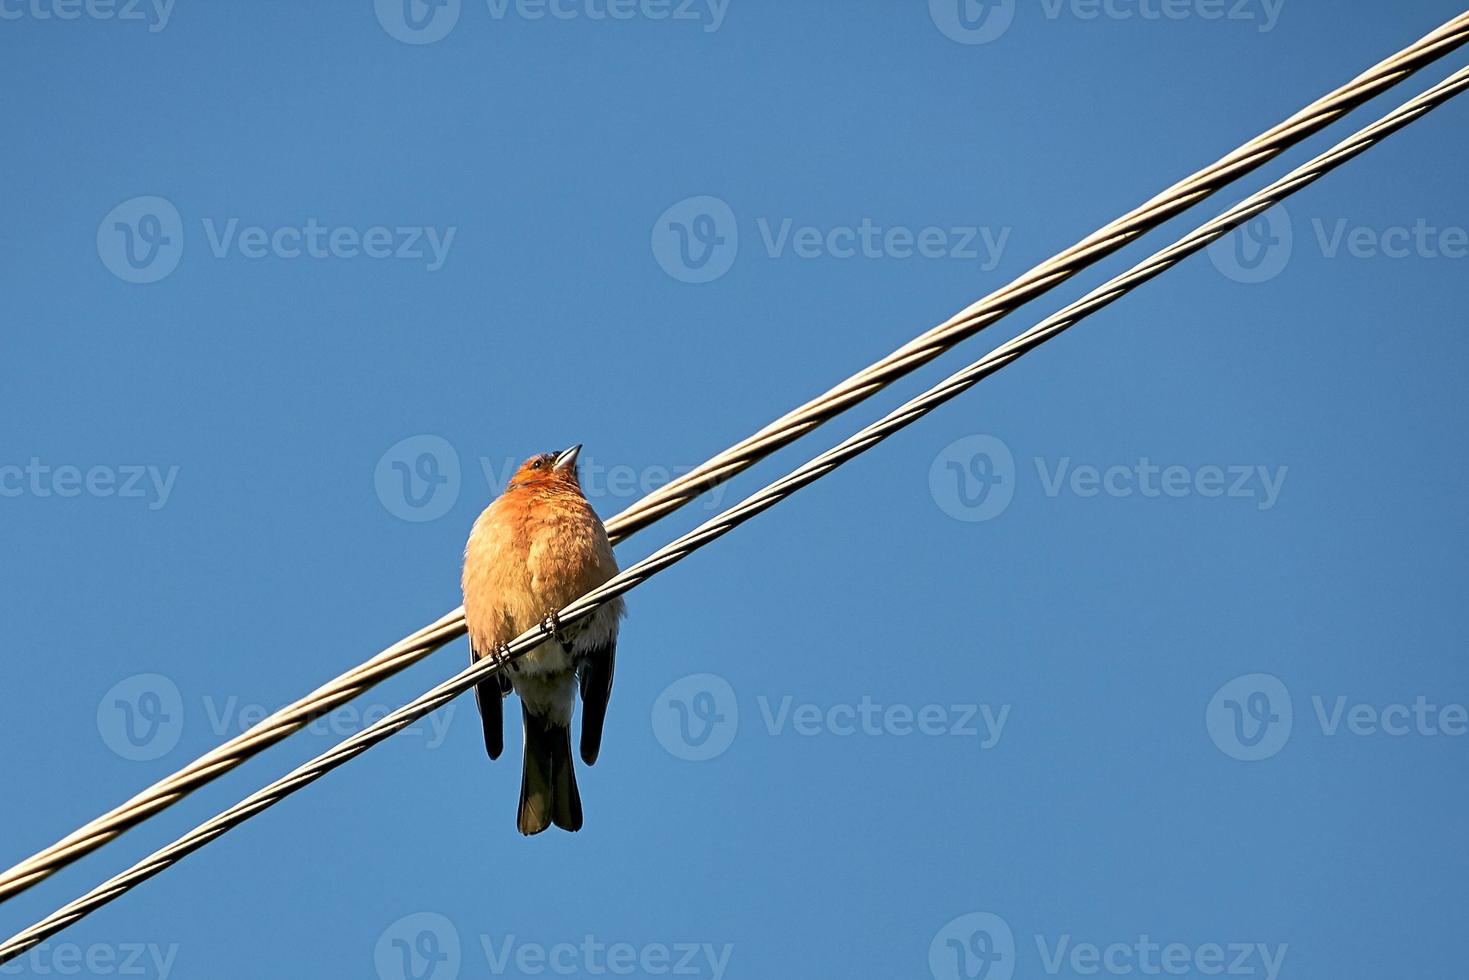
1112,804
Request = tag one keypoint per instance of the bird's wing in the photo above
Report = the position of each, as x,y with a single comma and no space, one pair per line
489,694
595,671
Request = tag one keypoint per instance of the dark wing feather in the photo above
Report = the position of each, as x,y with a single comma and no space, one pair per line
595,669
489,694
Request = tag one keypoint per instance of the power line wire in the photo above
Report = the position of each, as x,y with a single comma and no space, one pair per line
743,511
742,455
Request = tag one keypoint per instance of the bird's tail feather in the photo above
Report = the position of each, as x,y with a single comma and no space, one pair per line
548,792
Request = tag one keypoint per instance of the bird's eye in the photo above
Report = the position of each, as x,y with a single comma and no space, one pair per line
536,465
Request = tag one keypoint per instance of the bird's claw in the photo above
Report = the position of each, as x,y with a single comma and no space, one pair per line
501,656
551,625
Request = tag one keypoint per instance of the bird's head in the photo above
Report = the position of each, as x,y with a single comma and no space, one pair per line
548,471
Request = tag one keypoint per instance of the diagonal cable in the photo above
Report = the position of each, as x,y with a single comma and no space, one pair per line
756,503
751,450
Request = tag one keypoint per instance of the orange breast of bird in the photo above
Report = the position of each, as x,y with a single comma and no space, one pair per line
532,551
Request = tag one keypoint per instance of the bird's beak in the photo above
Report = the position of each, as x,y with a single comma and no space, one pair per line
566,459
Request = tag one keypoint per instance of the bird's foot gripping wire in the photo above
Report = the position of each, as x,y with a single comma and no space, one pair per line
501,656
551,626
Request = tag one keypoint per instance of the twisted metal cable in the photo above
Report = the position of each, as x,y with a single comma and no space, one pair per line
756,503
1042,278
751,450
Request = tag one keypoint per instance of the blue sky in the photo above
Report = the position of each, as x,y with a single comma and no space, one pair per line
1146,653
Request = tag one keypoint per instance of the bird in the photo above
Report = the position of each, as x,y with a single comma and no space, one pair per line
534,549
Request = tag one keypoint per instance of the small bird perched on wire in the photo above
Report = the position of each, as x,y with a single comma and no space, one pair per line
536,548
